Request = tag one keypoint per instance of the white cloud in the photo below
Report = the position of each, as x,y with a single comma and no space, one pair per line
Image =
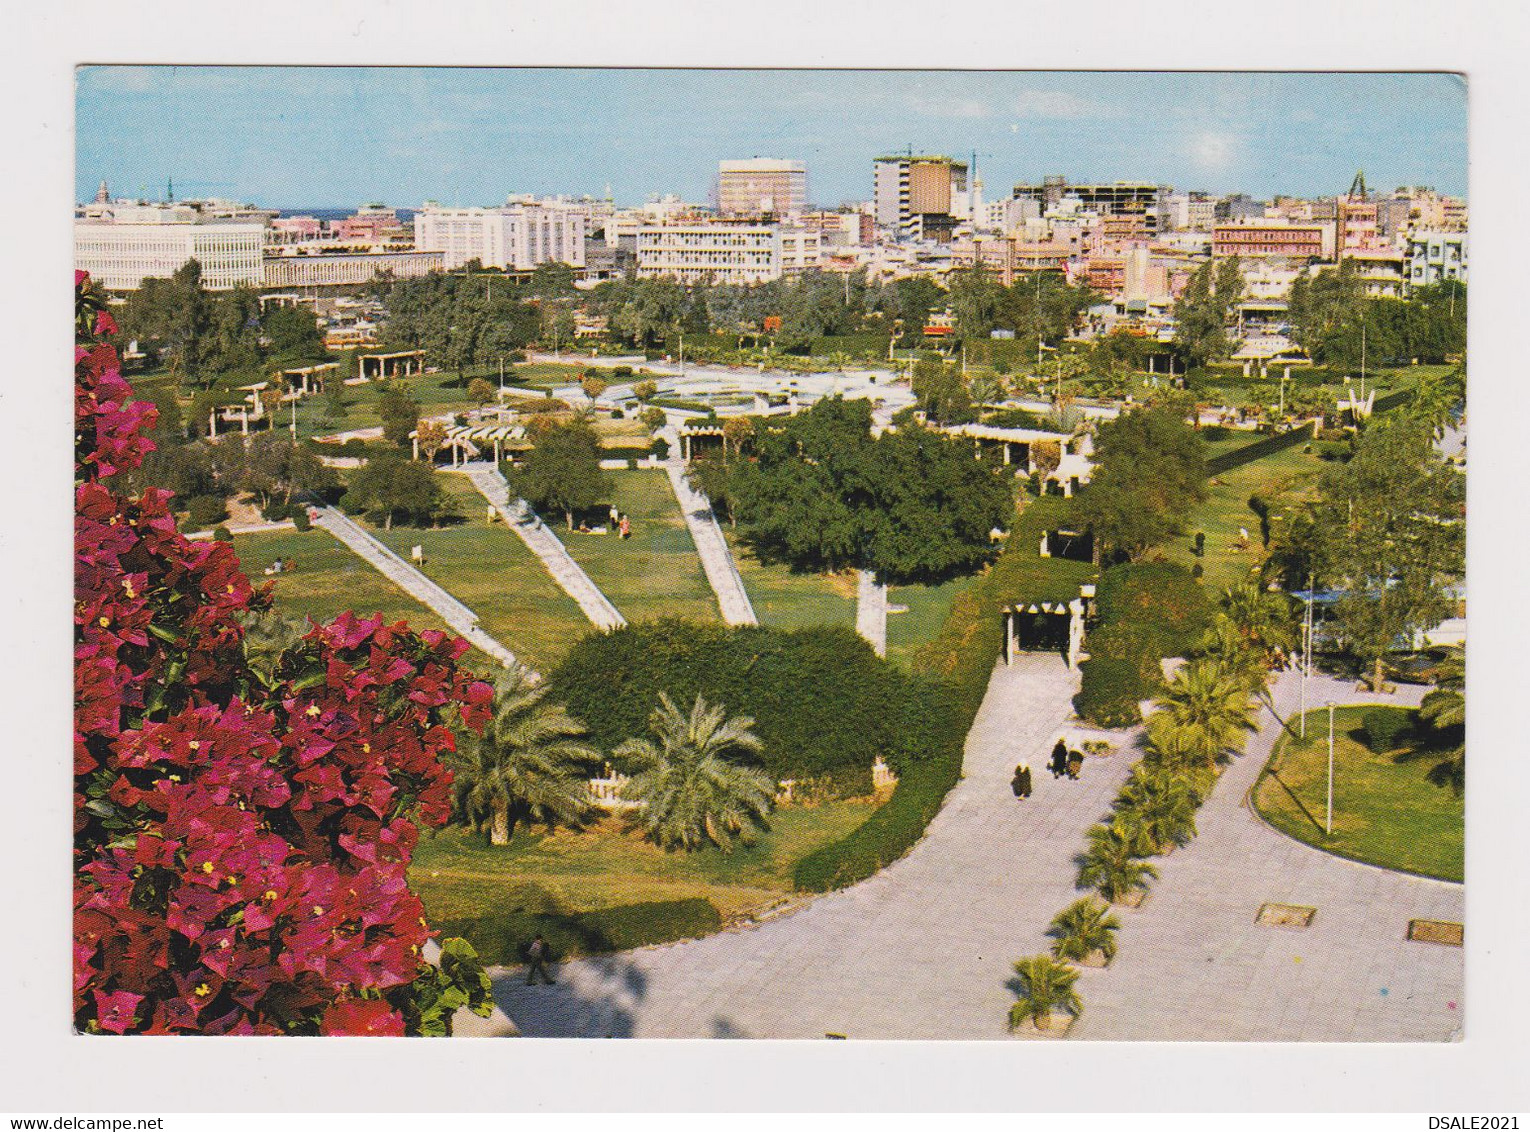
1055,104
942,107
1212,151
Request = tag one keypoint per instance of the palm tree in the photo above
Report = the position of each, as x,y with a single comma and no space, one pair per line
1263,618
692,791
1444,709
1226,644
1111,865
1161,804
1045,986
528,765
1082,929
1202,714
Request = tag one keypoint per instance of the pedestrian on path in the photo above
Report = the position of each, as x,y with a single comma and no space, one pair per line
1021,783
1059,763
625,527
1075,763
536,959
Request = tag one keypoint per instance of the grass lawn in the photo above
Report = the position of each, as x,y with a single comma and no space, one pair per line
505,894
488,568
785,600
656,572
327,579
1285,474
1385,812
928,608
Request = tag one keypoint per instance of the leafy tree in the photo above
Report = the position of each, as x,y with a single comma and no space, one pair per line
528,765
1203,310
976,298
645,391
335,404
431,437
941,393
1327,309
294,335
563,472
1045,987
984,387
391,486
1150,469
275,465
654,418
1111,865
692,786
711,474
593,386
1082,928
400,412
737,432
481,393
552,281
1202,715
1388,529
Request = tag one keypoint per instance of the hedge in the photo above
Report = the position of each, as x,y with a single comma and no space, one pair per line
1248,453
821,700
499,937
1144,612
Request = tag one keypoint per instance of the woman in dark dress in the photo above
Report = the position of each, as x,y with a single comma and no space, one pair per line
1059,763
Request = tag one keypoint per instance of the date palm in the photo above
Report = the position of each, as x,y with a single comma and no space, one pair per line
1162,804
693,785
1083,928
1203,714
1263,617
1111,865
1045,987
1444,709
528,765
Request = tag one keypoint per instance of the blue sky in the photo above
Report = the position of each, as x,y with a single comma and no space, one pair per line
335,137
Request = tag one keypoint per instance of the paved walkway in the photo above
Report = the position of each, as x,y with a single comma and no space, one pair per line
521,519
712,548
1193,964
413,582
871,610
920,950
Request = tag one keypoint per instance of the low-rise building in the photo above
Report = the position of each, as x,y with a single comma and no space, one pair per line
720,252
344,269
120,256
1269,238
516,237
1434,256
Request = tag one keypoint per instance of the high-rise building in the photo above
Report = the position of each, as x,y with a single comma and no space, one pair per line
761,187
516,237
920,197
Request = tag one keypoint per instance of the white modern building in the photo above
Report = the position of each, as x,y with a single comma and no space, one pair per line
725,253
344,269
121,255
516,237
761,187
1434,256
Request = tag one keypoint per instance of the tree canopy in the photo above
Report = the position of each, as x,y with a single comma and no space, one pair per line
1150,468
562,472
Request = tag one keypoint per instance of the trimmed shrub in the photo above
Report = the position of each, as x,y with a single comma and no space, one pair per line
206,510
1385,728
820,698
223,534
300,519
500,936
1110,691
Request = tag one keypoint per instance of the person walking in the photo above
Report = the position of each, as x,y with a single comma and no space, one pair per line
536,958
1021,783
1059,763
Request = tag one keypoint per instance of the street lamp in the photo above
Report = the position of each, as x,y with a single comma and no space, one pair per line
1306,654
1328,819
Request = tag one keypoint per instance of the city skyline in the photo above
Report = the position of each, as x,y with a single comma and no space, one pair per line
405,135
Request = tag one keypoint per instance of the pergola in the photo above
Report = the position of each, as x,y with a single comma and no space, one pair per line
399,363
1015,445
710,435
298,378
467,442
1047,626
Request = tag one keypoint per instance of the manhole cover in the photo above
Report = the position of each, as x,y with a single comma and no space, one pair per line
1285,915
1436,931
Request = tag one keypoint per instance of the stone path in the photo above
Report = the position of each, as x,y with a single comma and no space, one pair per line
712,548
871,610
521,519
1194,965
920,950
412,581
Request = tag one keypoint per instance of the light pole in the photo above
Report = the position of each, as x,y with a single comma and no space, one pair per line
1306,654
1328,819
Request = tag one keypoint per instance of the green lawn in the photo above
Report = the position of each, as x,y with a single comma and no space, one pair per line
656,572
504,893
1287,475
327,578
1385,811
928,608
786,600
488,568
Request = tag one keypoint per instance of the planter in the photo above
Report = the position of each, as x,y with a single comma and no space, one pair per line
1095,958
1133,899
1058,1026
